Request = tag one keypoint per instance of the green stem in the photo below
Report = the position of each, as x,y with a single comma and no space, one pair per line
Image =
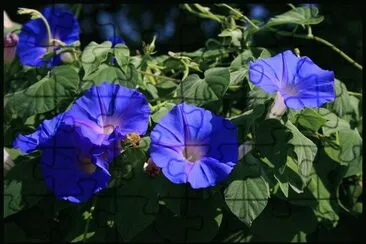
240,14
356,94
291,5
36,14
153,108
60,43
202,15
88,220
321,40
78,10
158,76
47,27
234,87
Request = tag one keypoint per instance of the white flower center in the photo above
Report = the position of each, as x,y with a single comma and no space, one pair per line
192,153
291,90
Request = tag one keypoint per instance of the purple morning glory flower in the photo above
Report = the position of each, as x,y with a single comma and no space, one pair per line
193,145
34,39
298,81
78,145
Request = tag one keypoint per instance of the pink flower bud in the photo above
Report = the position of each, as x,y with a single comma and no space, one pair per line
7,21
10,43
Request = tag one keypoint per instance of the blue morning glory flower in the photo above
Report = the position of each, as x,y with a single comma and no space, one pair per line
72,166
258,11
34,39
116,40
297,80
78,145
110,111
193,145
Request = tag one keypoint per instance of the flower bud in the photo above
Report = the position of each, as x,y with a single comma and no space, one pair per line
10,43
67,57
8,162
151,168
134,139
7,21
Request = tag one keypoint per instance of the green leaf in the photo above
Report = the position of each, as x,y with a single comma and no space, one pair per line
324,210
93,55
310,119
23,185
125,165
350,143
171,195
300,16
281,221
81,237
249,166
245,121
249,55
58,87
235,35
148,235
202,218
152,90
282,180
112,75
247,198
305,151
272,139
239,66
13,233
257,96
122,55
346,151
292,171
157,115
342,103
137,202
200,91
355,104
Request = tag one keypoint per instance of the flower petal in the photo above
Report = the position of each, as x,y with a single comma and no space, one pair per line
185,142
300,82
45,131
71,166
267,73
315,86
64,25
175,171
208,172
110,106
116,40
223,140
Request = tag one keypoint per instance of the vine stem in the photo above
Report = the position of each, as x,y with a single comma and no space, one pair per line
310,36
89,218
240,14
78,10
158,76
36,14
321,40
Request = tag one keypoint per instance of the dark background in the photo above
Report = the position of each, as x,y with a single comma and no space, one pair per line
178,30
